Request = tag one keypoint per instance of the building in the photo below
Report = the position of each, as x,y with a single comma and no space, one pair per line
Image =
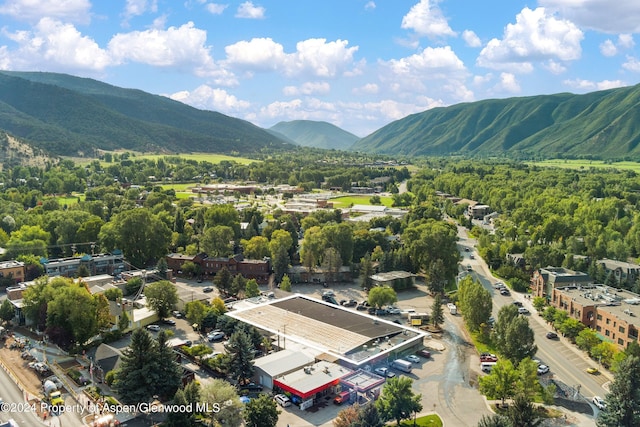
625,273
546,279
612,313
394,279
350,338
249,268
281,363
478,211
12,269
113,263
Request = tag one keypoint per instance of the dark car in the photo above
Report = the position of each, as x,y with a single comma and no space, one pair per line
552,335
382,312
169,322
350,303
424,353
251,387
361,307
517,303
505,292
207,289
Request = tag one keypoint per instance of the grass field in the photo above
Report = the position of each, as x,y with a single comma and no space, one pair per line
587,164
346,201
432,420
200,157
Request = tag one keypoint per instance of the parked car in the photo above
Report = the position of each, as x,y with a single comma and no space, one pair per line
282,400
169,322
552,335
499,285
517,303
488,357
599,402
176,314
543,369
153,328
394,310
413,359
251,387
522,310
382,312
384,372
215,336
593,371
424,353
349,303
505,292
328,293
207,289
361,307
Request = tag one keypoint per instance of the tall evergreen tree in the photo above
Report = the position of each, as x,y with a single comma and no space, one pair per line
368,416
623,400
437,313
240,351
223,280
170,371
137,377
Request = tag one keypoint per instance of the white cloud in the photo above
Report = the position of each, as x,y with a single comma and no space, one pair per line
536,36
53,45
426,19
608,48
439,62
206,97
77,11
632,64
308,88
588,85
471,39
175,47
555,67
249,11
315,57
216,8
368,89
601,15
370,5
139,7
508,83
626,41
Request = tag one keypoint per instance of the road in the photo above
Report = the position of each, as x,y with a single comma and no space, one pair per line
567,364
14,404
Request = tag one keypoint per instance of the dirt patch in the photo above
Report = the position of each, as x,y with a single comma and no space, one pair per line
19,367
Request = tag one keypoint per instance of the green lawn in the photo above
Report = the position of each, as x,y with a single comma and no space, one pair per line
201,157
69,200
587,164
432,420
347,201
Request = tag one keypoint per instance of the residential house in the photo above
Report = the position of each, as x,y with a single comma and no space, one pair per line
625,273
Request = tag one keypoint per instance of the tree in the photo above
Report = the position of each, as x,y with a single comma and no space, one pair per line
261,412
313,245
255,248
475,303
285,284
623,400
500,383
240,350
332,263
195,311
347,417
251,289
223,398
382,295
571,327
368,416
520,341
169,371
136,378
71,316
549,314
437,313
528,383
222,280
494,420
7,311
217,241
366,271
279,246
161,297
141,235
398,401
523,413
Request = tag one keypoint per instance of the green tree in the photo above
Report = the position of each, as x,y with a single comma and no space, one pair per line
113,294
222,280
133,285
494,420
549,314
285,284
539,304
380,296
623,400
190,269
279,246
123,322
520,342
332,263
312,248
368,416
398,401
261,412
366,271
71,316
136,377
475,303
28,240
347,417
7,311
528,383
169,371
571,327
340,237
221,394
251,289
161,297
217,241
181,418
240,351
141,235
501,382
255,248
522,413
437,313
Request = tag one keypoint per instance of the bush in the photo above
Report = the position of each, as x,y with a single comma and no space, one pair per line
110,377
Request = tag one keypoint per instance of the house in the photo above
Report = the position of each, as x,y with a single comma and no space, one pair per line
12,269
625,273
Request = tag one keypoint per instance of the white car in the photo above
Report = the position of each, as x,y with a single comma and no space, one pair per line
599,402
215,336
522,310
413,359
154,328
282,400
384,372
394,310
543,369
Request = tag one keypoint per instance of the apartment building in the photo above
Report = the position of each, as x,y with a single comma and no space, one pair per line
544,280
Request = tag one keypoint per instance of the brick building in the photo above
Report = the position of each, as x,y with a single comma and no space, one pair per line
12,269
546,279
249,268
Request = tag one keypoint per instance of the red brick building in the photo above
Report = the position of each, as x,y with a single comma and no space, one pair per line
248,268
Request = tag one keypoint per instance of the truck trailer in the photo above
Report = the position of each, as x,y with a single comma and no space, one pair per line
402,365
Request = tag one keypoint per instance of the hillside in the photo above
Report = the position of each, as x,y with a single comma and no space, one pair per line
68,115
603,124
315,134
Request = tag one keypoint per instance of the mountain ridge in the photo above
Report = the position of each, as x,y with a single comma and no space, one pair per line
318,134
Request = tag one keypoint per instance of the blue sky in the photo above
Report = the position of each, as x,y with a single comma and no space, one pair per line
358,64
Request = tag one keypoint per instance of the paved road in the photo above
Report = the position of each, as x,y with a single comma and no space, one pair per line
14,404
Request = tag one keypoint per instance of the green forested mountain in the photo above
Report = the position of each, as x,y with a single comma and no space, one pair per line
69,115
604,124
315,134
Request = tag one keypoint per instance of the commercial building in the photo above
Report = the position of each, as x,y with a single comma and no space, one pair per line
546,279
110,263
12,269
258,269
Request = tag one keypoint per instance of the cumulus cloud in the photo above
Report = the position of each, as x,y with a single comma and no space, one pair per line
611,48
601,15
74,11
471,39
315,57
367,89
426,19
182,46
632,64
308,88
439,62
58,46
554,67
139,7
588,85
608,48
206,97
370,5
508,83
536,36
216,8
248,10
626,41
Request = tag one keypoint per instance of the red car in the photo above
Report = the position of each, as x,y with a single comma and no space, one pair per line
487,357
424,353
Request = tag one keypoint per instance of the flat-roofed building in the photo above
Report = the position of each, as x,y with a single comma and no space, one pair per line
546,279
13,270
281,363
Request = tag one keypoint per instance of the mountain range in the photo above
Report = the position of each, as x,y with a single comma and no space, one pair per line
67,115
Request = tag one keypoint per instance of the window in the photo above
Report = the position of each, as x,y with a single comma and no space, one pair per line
598,328
607,332
621,329
608,321
620,342
599,317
